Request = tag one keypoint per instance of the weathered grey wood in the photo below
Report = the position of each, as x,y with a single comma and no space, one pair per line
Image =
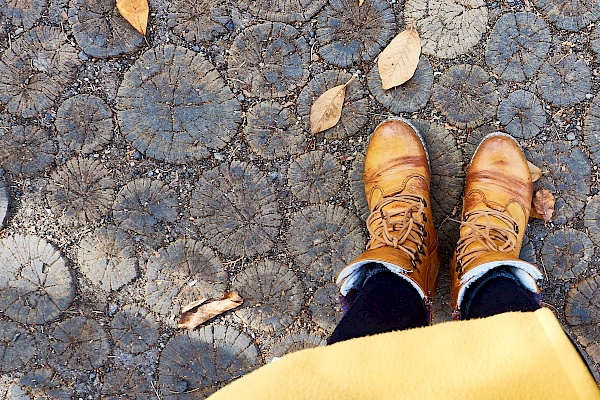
357,186
566,253
568,177
199,21
134,330
582,310
465,95
100,29
591,129
17,346
23,13
24,150
517,46
564,80
571,15
174,106
36,69
349,34
143,203
79,344
323,239
126,384
448,28
273,296
107,258
324,307
85,123
195,364
315,176
181,273
236,210
591,218
522,114
272,130
285,10
268,60
81,191
35,284
293,342
4,201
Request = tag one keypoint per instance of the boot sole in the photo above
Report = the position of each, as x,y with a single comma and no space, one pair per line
414,128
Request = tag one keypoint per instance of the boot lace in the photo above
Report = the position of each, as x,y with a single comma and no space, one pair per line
497,235
401,226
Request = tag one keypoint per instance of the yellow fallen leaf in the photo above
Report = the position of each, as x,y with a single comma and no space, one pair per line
360,2
398,61
327,109
135,12
198,312
543,205
536,173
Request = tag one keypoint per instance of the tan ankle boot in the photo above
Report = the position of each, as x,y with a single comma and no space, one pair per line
402,236
496,206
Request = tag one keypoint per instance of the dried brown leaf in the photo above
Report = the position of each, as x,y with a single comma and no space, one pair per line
398,61
193,304
543,205
135,12
327,109
536,173
200,311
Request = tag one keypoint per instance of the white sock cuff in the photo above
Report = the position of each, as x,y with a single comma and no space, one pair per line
354,276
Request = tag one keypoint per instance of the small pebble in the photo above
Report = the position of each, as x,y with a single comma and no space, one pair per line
137,155
241,97
196,48
570,136
82,56
229,25
589,96
219,156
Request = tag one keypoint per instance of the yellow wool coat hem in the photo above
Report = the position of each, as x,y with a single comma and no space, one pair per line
507,356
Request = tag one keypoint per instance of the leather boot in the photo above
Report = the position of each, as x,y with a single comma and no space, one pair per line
496,206
402,236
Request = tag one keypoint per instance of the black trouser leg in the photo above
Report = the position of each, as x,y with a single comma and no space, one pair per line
497,295
385,303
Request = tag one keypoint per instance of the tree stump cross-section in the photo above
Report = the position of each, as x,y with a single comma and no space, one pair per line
36,69
235,208
174,106
35,283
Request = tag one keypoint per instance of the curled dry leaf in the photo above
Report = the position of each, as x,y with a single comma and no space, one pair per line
135,12
536,173
543,205
198,312
398,61
327,109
